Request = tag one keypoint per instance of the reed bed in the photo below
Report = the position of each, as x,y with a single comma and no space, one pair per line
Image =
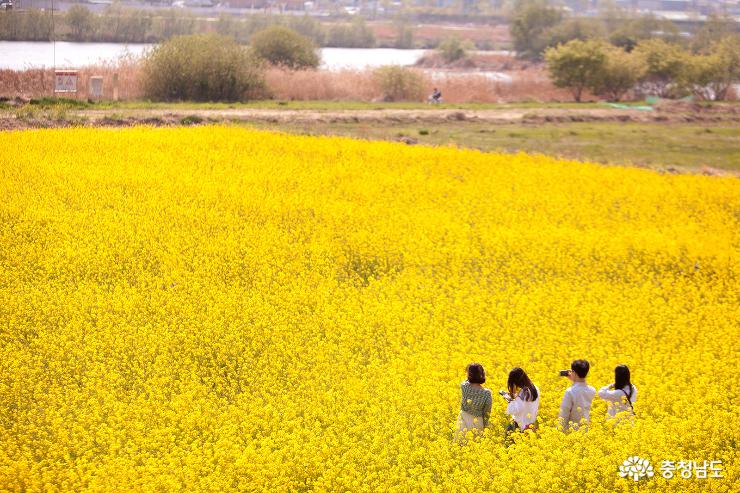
303,85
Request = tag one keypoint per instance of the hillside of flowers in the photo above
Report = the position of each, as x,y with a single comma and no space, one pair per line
218,309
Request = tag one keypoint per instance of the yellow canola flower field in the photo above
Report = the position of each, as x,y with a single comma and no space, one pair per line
219,309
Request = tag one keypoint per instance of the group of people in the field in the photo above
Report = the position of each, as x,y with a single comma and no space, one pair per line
523,398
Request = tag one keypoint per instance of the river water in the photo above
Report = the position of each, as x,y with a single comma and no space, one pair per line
20,55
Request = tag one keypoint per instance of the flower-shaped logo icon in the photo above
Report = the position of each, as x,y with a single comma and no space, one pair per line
636,468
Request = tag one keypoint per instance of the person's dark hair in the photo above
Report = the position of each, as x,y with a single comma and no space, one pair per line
518,379
622,380
476,373
581,367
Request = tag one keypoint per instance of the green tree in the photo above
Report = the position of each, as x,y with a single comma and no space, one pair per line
399,83
25,25
573,28
714,30
712,76
228,25
258,22
633,31
125,25
38,24
80,21
280,45
453,49
619,74
174,22
665,66
308,27
576,65
202,67
404,35
529,25
354,35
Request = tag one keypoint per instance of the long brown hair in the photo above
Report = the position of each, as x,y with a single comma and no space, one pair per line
518,379
622,380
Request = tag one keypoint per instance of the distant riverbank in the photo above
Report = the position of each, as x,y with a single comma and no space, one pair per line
20,55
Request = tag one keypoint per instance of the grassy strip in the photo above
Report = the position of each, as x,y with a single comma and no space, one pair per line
48,103
656,145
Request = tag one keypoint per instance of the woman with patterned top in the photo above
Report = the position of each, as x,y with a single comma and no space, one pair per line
475,406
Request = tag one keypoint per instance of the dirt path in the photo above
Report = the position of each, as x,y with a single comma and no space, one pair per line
405,116
671,113
325,116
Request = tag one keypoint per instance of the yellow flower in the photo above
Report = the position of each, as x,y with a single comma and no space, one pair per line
192,309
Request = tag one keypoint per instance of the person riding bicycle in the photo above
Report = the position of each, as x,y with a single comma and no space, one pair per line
436,96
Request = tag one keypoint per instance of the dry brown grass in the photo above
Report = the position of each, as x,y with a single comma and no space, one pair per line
524,86
533,85
344,85
305,85
456,87
37,83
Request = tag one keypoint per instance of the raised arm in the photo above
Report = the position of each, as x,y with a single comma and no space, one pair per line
609,394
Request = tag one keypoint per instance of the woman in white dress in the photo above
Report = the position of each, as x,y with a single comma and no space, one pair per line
524,401
620,395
